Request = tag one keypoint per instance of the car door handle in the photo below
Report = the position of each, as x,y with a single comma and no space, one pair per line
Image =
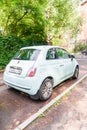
61,65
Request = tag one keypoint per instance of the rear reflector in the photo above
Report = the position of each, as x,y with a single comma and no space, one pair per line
32,72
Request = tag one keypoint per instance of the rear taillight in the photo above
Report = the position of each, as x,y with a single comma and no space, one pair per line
32,72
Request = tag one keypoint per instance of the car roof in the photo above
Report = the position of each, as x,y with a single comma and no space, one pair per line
40,47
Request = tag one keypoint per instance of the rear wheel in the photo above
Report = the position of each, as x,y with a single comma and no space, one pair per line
76,73
46,89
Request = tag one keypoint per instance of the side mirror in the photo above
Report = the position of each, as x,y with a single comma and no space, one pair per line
72,56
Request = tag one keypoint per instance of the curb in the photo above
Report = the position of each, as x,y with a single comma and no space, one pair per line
43,109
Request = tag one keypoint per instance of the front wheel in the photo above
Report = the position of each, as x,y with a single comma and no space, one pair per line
46,89
76,73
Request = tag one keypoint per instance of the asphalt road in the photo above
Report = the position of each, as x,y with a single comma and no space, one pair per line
70,113
16,107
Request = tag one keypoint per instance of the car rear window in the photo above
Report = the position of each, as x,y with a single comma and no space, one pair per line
27,54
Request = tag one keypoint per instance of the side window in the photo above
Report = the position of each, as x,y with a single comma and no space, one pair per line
50,54
62,54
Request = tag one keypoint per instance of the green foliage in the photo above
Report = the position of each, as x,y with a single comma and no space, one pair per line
39,20
62,19
79,47
24,19
42,115
35,22
8,47
64,11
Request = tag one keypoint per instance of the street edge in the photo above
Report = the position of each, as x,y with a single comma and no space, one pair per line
1,71
1,84
43,109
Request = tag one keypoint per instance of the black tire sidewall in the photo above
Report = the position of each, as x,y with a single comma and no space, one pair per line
75,76
42,87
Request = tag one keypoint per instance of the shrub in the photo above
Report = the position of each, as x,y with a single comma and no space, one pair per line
8,47
79,47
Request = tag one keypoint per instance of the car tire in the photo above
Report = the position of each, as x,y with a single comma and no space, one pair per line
46,89
76,73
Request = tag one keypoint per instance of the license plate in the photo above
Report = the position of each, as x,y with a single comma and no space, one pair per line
15,70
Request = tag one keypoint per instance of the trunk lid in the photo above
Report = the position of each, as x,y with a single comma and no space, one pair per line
20,67
23,61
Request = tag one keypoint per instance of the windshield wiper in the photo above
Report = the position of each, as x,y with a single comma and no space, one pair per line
17,58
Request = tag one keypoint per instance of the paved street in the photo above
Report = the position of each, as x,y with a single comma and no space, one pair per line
16,106
69,114
71,111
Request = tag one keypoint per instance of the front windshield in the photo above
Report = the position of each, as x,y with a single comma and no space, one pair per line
27,54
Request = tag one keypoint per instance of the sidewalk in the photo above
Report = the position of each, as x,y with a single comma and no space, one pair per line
69,114
75,117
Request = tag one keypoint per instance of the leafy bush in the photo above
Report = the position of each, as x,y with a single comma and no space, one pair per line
9,45
79,47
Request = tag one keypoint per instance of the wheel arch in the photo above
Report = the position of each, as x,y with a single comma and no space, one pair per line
49,77
77,66
42,96
76,72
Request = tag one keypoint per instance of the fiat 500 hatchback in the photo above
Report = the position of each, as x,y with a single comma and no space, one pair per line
36,70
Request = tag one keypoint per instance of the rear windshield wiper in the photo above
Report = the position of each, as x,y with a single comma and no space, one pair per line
17,58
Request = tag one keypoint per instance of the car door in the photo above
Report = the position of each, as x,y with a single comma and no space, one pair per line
66,63
54,66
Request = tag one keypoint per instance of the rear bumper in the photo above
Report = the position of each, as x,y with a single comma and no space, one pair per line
28,85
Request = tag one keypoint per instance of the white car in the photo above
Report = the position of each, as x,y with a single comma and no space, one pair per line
36,70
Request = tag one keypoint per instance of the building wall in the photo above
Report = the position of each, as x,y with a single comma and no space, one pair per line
83,13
